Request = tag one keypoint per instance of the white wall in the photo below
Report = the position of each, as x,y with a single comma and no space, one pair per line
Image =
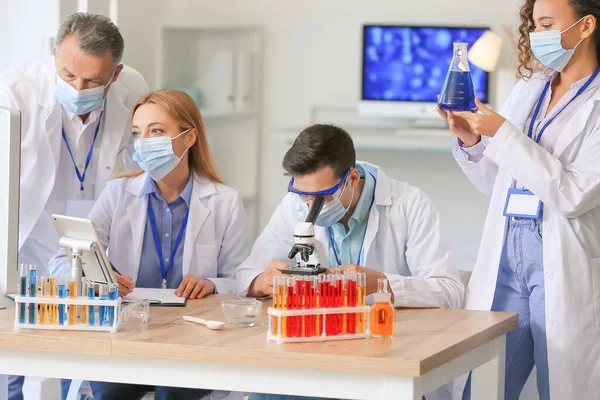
23,24
312,57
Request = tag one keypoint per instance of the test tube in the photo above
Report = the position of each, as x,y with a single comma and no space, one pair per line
352,293
325,303
344,301
361,301
309,303
277,298
291,305
53,307
23,273
84,309
113,294
91,293
62,293
322,303
72,307
318,304
281,292
32,293
43,288
102,309
339,301
300,320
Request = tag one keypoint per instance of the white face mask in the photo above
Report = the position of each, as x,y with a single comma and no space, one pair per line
333,211
155,155
79,102
547,48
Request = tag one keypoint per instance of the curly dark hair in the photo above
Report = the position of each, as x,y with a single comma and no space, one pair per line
582,8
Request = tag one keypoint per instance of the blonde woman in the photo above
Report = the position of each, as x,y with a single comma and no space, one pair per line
172,224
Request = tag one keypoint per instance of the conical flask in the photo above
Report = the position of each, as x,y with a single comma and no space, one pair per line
458,93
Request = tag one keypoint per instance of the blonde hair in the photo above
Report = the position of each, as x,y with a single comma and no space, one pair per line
184,110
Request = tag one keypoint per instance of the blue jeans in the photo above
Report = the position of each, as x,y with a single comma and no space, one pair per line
15,387
520,288
125,391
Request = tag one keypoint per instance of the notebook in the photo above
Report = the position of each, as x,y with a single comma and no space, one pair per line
161,297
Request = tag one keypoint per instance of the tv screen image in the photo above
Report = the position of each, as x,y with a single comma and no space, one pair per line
409,64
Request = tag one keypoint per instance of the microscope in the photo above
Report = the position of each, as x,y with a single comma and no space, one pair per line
306,248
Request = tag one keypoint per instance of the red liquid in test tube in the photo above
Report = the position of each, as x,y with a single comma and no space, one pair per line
299,305
352,292
309,303
320,303
291,298
339,291
332,324
325,301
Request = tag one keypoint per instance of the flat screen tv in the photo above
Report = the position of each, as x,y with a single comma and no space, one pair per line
404,67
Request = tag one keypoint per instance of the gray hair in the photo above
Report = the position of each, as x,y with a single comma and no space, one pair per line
95,34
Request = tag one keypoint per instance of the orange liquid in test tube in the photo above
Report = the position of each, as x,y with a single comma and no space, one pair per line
72,307
43,314
279,303
53,308
361,301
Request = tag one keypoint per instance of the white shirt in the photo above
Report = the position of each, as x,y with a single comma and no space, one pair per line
38,249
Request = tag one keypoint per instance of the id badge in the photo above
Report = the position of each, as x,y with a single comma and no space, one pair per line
522,203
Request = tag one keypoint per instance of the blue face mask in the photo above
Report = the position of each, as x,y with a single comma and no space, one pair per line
333,211
547,48
155,155
79,102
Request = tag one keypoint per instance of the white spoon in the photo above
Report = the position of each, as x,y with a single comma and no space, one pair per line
215,325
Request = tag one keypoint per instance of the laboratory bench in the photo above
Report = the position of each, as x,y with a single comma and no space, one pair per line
430,347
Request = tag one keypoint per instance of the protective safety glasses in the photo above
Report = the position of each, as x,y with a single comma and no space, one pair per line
305,196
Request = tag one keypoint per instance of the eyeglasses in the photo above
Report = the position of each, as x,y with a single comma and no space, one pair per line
305,196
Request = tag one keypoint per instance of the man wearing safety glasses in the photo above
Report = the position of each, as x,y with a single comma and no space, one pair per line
369,223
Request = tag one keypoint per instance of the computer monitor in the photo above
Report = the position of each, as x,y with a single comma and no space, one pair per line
10,162
404,67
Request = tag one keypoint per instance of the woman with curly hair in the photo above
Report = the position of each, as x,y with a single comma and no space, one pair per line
539,160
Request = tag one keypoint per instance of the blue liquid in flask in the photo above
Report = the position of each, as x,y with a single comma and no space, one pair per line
458,93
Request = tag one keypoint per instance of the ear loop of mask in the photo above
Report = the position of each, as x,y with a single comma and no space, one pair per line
578,43
343,190
175,137
581,19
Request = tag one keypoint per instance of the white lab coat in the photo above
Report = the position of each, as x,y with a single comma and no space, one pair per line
30,89
568,183
216,238
403,240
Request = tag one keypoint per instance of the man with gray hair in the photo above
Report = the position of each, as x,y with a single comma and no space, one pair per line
75,131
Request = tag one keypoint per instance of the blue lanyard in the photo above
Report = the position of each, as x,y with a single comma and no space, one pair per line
332,242
81,176
541,99
165,270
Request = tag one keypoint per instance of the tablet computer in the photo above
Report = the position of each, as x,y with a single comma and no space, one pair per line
95,264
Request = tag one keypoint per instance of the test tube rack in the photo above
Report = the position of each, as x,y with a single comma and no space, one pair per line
315,319
319,308
68,301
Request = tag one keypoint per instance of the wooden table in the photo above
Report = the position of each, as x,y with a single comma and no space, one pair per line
430,348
